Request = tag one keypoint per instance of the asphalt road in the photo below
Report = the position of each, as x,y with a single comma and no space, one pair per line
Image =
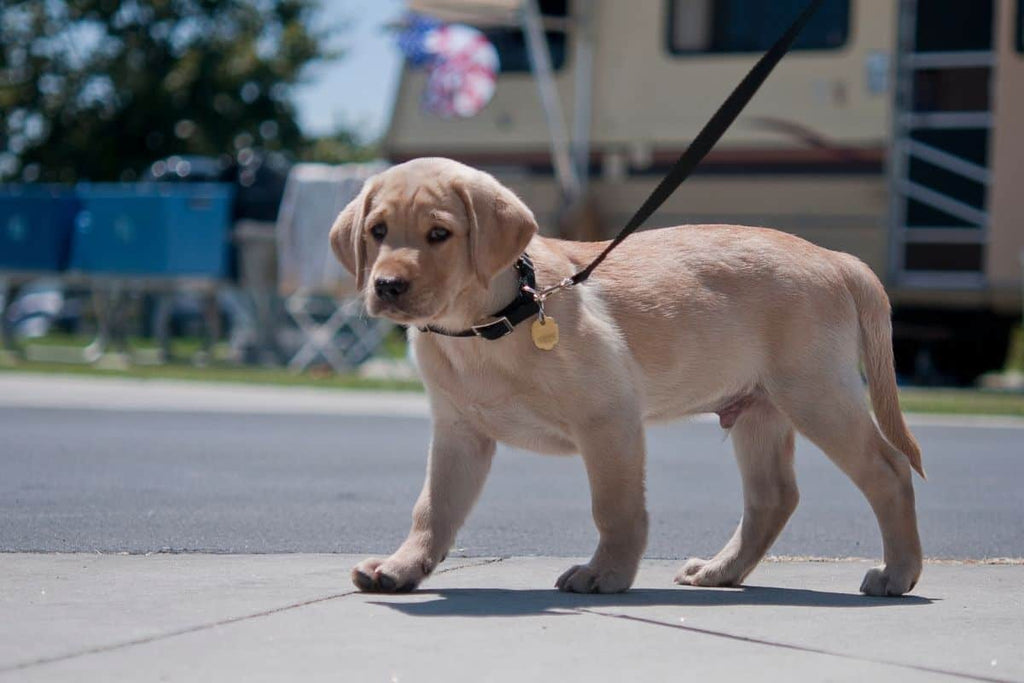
84,480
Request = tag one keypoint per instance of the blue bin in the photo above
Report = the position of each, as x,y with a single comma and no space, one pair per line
153,230
35,226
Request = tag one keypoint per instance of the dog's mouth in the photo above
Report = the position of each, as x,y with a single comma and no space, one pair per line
402,312
385,309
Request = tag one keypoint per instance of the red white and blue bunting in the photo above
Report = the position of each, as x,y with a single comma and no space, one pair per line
461,62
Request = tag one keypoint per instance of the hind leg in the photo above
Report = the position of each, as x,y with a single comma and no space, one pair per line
763,442
831,412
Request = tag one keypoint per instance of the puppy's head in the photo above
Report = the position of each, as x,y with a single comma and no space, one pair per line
425,236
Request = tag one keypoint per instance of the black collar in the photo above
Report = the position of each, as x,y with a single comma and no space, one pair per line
524,306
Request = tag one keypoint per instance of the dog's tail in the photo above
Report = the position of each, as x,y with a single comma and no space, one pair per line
873,314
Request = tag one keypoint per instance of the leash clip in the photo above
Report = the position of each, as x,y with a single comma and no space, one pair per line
541,295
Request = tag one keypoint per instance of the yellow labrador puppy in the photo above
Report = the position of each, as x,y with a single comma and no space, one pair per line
759,326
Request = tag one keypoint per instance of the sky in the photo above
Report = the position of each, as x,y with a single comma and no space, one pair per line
357,90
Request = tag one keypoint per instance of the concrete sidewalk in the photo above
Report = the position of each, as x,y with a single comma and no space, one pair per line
31,390
296,617
27,390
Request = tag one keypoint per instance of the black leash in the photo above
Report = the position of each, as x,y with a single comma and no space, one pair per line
680,171
705,140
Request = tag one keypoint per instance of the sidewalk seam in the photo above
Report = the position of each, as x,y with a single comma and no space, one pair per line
789,646
99,649
482,563
171,634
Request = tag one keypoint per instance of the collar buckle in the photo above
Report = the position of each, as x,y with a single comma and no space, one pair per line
493,330
525,305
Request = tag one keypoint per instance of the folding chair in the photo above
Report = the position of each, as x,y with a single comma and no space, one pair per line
319,295
340,333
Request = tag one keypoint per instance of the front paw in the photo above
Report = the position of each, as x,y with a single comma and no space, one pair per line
888,581
586,578
396,574
708,573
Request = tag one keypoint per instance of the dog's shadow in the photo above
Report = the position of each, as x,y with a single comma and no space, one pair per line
497,602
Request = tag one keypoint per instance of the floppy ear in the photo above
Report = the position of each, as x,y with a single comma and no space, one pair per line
347,236
500,225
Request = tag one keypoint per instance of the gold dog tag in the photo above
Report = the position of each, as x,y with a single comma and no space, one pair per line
545,334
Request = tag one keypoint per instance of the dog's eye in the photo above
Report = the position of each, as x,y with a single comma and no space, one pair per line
438,235
379,231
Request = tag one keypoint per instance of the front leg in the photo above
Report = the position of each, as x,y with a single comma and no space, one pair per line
460,458
613,452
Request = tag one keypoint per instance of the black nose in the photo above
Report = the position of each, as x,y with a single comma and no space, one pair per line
390,288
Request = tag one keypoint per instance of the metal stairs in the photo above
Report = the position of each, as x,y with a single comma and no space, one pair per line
938,173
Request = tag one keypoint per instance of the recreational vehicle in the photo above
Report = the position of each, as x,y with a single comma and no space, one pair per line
893,130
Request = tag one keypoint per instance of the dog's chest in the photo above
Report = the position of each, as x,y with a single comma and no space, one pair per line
524,429
519,412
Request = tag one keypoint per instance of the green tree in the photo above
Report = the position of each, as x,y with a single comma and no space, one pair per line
98,89
341,147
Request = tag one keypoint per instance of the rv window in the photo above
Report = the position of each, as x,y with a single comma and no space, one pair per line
700,26
939,257
954,26
511,43
1020,25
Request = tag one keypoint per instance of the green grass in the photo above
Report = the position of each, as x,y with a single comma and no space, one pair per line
962,401
393,345
179,368
218,373
79,341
